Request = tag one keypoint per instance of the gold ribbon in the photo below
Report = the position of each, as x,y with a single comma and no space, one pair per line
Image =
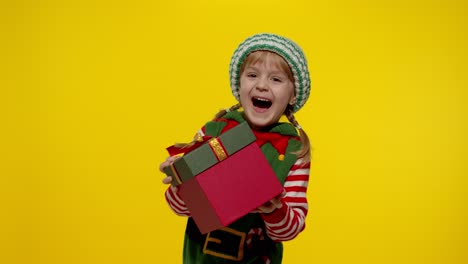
198,137
218,150
175,174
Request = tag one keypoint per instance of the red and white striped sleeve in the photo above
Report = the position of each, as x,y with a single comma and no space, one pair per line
287,222
175,202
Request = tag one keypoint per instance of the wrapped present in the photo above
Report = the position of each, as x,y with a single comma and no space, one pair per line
224,178
207,152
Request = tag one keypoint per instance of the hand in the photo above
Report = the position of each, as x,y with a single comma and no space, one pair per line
272,205
168,162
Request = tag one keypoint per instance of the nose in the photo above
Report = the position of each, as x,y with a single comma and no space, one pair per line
262,84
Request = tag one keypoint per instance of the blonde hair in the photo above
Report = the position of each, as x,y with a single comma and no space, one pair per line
264,57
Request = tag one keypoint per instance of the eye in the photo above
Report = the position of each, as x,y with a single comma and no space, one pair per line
251,75
277,79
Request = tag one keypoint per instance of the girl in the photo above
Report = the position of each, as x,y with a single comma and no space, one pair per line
269,78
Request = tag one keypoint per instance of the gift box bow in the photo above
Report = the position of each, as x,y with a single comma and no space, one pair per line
197,142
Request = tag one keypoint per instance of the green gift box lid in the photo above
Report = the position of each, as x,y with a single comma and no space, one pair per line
211,152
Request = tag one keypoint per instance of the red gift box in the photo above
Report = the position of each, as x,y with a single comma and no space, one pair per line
230,189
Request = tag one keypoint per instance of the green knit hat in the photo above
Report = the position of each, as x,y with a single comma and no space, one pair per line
285,48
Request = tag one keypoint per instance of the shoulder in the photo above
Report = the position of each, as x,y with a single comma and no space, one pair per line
218,126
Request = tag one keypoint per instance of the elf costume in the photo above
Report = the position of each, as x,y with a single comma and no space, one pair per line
257,237
248,240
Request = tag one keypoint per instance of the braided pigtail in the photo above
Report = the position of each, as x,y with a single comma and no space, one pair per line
224,111
304,151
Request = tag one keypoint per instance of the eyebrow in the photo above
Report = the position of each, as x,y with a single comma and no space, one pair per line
273,72
251,68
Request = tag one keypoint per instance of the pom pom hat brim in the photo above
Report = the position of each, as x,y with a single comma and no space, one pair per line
285,48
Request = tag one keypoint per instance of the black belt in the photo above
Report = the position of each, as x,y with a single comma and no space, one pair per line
228,243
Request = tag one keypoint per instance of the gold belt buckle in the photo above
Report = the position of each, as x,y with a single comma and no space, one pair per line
240,253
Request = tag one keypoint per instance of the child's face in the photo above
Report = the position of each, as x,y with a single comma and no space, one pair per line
265,91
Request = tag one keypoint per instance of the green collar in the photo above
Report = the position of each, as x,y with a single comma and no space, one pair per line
281,128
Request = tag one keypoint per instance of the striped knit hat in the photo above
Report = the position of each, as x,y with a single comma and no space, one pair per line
285,48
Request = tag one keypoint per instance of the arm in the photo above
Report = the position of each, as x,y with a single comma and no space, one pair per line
172,197
288,220
175,202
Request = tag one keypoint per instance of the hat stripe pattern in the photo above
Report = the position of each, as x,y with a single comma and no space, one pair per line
287,49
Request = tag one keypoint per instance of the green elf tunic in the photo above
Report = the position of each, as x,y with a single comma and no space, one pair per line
244,241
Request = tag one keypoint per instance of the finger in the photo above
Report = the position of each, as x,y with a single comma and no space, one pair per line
169,161
167,180
266,208
276,203
283,194
162,166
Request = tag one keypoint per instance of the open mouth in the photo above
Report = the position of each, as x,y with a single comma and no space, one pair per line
261,102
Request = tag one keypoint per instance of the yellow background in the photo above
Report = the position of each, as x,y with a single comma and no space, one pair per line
93,92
